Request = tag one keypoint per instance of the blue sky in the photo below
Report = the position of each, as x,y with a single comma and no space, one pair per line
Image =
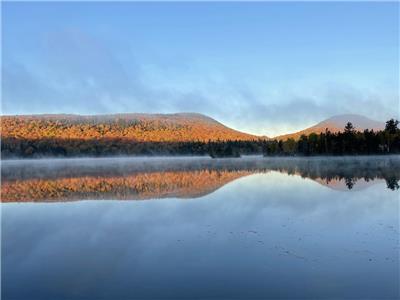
261,67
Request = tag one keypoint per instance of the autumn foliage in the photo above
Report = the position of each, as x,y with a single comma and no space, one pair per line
181,184
130,134
132,127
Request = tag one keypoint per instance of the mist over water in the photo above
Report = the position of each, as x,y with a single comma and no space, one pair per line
226,228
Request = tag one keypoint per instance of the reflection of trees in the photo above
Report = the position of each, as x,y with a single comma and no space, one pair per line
145,179
392,183
350,182
347,170
138,186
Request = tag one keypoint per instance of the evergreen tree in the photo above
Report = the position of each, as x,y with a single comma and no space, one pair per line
391,126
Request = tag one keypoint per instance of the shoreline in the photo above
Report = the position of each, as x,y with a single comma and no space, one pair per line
193,157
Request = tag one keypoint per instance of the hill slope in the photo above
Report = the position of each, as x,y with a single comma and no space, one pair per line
178,127
336,124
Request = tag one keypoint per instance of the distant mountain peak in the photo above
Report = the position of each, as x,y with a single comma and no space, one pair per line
337,123
360,121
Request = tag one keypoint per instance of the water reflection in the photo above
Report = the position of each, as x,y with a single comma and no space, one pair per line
265,235
130,179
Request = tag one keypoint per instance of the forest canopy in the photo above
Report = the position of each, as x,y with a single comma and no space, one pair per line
67,139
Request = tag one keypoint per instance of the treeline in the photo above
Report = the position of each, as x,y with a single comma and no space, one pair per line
52,147
348,142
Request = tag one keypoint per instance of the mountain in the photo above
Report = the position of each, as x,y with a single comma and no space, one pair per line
336,124
178,127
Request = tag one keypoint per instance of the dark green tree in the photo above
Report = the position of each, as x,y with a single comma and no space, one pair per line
349,128
391,126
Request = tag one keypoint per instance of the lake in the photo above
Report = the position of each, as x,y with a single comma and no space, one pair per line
184,228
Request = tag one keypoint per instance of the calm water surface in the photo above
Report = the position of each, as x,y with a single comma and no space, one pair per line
183,228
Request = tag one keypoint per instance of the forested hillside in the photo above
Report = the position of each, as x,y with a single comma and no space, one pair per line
122,134
184,127
177,134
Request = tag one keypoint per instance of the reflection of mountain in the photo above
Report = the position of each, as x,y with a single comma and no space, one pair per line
63,180
183,184
347,184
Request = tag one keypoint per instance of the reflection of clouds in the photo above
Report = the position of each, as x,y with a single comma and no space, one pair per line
275,190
